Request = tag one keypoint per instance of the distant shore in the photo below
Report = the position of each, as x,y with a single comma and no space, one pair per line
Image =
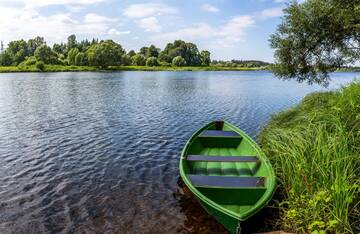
60,68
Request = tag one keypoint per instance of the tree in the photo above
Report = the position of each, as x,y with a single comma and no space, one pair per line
106,53
71,55
1,47
80,59
5,59
205,58
152,51
316,37
126,60
17,50
143,50
178,61
188,51
71,42
33,44
151,62
45,54
131,53
59,48
138,60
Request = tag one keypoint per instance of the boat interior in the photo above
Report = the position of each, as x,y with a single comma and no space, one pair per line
225,167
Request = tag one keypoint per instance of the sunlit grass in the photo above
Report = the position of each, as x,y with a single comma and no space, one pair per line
315,149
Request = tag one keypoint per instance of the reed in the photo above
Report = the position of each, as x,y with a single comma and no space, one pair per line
315,150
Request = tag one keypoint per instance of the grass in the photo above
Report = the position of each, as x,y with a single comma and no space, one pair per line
315,150
62,68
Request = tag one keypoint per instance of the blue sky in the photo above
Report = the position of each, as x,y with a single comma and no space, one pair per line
229,29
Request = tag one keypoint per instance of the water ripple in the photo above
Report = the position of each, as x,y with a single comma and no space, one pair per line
98,152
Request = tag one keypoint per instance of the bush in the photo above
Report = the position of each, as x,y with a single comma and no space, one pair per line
178,61
80,59
152,62
40,65
138,60
30,61
314,149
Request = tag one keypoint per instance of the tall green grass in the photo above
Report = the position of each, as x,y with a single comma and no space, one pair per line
315,149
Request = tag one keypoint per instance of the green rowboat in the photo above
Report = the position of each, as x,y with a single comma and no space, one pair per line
227,172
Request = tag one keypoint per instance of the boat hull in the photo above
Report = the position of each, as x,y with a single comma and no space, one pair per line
227,173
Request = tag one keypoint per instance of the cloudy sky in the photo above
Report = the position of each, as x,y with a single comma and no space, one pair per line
230,29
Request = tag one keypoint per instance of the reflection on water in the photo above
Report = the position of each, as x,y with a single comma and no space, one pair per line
98,152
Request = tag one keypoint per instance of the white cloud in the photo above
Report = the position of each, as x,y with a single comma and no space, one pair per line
41,3
271,12
150,24
209,8
95,18
148,9
27,23
226,35
114,31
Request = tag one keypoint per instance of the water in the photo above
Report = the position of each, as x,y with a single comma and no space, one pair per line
98,152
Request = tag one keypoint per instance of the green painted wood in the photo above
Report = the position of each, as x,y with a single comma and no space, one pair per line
228,204
206,158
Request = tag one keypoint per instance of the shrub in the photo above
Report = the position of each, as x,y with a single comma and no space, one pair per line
30,61
314,149
151,62
40,65
138,60
178,61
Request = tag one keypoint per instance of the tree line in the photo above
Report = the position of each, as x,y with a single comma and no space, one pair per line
103,53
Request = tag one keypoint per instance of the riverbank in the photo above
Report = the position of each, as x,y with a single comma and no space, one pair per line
61,68
314,148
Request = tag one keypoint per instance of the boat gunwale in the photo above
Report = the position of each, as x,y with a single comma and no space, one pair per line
270,189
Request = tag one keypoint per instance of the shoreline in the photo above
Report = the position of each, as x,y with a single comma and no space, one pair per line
60,68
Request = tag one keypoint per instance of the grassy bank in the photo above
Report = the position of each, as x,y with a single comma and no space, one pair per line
61,68
315,149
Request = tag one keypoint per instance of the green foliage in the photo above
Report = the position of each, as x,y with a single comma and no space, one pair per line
40,65
33,44
188,51
151,62
71,55
138,60
5,59
131,53
314,148
126,60
71,42
59,48
106,53
205,58
30,61
239,63
316,37
80,59
45,54
99,53
178,61
17,50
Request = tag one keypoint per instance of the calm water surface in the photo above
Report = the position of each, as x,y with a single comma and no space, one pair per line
98,152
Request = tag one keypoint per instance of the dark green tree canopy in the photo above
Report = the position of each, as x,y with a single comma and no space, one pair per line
45,54
99,53
188,51
106,53
316,37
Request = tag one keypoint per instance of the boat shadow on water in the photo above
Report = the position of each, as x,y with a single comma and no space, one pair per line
199,221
